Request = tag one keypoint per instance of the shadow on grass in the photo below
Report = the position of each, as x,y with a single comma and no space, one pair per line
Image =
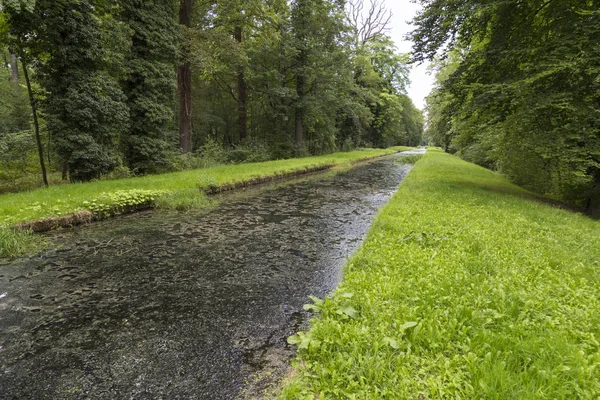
514,191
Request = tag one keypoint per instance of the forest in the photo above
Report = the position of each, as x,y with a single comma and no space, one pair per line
518,90
101,89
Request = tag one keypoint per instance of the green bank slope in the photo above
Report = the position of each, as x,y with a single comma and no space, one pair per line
466,288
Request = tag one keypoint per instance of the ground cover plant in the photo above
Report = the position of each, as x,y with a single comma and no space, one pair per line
179,190
14,243
466,287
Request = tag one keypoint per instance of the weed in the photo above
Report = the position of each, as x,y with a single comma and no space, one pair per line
122,201
184,200
14,243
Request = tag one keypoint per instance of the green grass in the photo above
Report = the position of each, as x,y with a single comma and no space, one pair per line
14,243
64,199
179,190
409,159
465,288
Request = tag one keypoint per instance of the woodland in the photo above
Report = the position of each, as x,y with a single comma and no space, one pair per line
101,89
518,90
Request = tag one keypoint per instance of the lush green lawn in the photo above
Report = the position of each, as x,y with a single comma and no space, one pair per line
176,190
466,288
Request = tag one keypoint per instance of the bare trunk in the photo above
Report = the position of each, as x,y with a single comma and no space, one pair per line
184,81
184,86
301,92
592,207
242,92
35,123
14,68
299,130
65,171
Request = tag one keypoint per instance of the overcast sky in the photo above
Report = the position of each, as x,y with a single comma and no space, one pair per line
404,11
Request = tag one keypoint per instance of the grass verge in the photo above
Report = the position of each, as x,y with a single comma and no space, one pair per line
14,243
464,288
58,205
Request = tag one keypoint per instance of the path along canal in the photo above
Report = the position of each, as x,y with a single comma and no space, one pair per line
194,305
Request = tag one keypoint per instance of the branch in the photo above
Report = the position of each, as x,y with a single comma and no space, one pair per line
371,24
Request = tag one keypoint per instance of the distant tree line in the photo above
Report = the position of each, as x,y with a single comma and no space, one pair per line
134,84
518,89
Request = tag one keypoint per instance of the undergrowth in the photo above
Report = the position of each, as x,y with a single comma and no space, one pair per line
466,287
122,201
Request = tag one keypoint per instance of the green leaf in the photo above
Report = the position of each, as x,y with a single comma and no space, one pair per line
348,311
393,343
311,307
295,339
407,325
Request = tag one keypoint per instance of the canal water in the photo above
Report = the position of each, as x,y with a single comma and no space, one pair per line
194,305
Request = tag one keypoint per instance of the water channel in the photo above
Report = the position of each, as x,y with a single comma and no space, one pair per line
194,305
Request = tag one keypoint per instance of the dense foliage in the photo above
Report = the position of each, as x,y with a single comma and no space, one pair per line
258,80
518,89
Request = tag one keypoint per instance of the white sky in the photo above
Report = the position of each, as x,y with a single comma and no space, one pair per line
403,12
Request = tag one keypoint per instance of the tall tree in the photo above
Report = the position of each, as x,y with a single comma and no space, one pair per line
150,82
184,79
302,11
36,124
84,107
14,68
525,88
368,24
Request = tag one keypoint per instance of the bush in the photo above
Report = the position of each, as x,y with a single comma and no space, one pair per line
120,172
251,151
212,153
348,145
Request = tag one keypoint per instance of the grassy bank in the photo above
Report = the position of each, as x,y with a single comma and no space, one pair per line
466,287
175,190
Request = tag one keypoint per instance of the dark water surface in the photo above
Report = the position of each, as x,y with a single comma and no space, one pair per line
193,305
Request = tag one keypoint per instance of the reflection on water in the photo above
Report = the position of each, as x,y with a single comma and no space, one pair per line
181,305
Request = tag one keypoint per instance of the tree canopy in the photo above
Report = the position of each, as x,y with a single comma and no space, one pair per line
518,89
131,85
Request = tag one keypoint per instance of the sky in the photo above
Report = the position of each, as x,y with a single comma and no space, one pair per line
403,12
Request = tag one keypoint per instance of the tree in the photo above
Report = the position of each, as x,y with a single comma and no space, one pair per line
322,48
150,83
184,80
84,107
525,89
36,124
368,24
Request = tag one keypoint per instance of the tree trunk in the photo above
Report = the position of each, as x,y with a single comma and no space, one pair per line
35,123
242,92
65,171
14,68
301,92
184,85
592,207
